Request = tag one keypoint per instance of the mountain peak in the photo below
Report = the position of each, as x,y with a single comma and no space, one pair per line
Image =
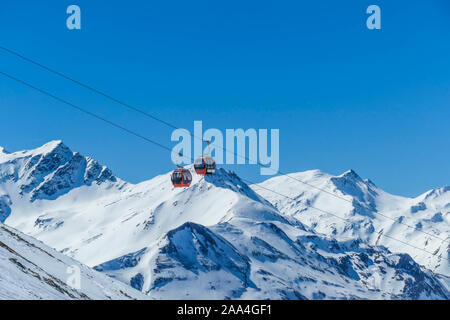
436,192
226,179
350,174
53,145
52,170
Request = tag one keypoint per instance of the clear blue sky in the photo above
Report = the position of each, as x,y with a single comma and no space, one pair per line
343,97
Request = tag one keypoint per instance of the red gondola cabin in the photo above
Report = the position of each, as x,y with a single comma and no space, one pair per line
181,178
205,165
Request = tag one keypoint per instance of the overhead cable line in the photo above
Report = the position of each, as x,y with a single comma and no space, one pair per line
74,106
142,112
84,110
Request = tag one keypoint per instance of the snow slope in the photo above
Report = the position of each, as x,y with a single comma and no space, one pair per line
241,259
217,239
90,222
30,270
422,222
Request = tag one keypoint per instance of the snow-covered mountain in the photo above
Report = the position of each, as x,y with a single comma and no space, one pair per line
30,270
422,222
217,239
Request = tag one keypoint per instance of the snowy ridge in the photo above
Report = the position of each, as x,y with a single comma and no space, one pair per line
30,270
217,239
242,260
50,171
366,209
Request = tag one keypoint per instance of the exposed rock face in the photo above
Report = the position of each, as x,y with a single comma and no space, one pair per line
51,171
361,210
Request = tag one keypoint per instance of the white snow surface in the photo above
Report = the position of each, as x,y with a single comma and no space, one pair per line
421,222
29,270
219,238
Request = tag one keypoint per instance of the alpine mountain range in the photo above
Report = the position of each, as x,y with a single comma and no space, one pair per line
306,235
